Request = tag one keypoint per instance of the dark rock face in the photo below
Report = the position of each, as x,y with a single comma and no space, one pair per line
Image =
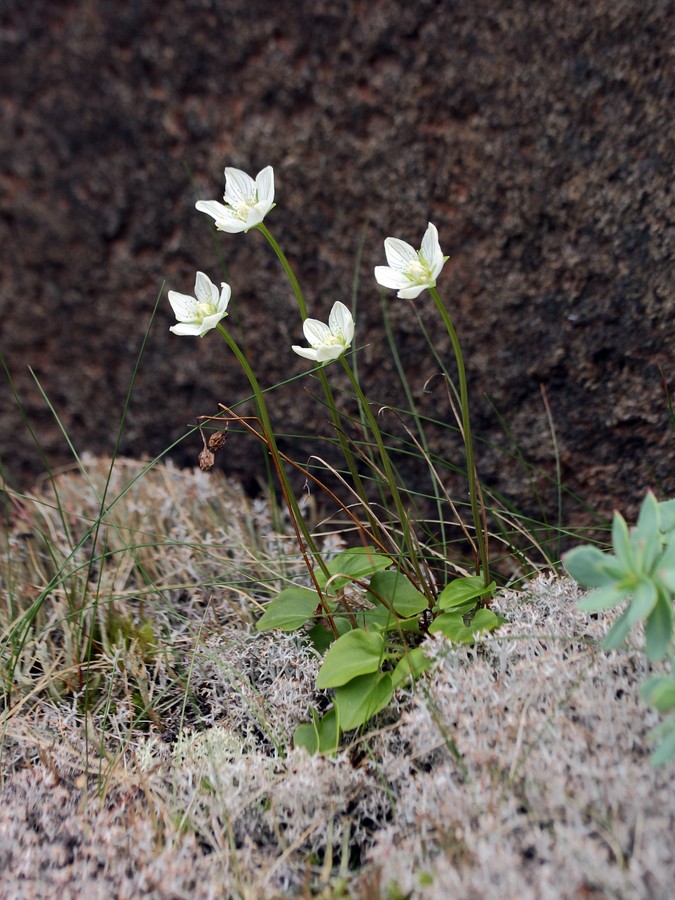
536,135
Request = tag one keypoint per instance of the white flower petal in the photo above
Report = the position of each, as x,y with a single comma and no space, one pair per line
329,352
205,289
184,307
254,217
224,218
225,295
340,320
305,352
316,333
265,183
399,253
390,278
411,292
239,187
431,249
212,208
184,329
232,225
210,322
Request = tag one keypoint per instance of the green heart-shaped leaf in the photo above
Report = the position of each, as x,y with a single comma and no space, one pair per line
289,610
356,653
461,594
397,591
364,696
350,564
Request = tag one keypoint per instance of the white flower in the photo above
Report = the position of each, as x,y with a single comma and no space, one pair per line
247,202
410,271
327,342
197,316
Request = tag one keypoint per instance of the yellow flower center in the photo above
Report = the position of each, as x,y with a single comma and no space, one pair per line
205,308
334,339
242,208
418,271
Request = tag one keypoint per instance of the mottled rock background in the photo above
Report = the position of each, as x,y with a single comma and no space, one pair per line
537,135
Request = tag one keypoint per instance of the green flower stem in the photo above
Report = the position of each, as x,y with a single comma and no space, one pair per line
327,392
390,476
274,450
481,535
287,269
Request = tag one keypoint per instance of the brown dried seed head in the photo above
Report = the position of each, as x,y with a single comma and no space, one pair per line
217,440
206,459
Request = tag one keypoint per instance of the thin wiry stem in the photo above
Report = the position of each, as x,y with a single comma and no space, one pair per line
270,440
481,534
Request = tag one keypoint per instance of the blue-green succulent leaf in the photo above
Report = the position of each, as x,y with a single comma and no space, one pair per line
617,633
592,568
667,516
659,692
644,597
646,537
603,598
621,538
659,629
665,732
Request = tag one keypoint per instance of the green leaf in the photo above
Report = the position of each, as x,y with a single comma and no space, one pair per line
646,537
665,569
649,518
486,620
322,637
666,749
460,595
621,539
381,619
451,624
398,591
617,633
667,508
659,629
306,736
350,564
591,567
319,735
378,618
644,600
289,610
329,732
362,698
603,598
410,666
659,692
356,653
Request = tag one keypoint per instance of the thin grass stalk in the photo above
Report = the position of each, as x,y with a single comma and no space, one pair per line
478,524
327,391
414,412
286,487
391,480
